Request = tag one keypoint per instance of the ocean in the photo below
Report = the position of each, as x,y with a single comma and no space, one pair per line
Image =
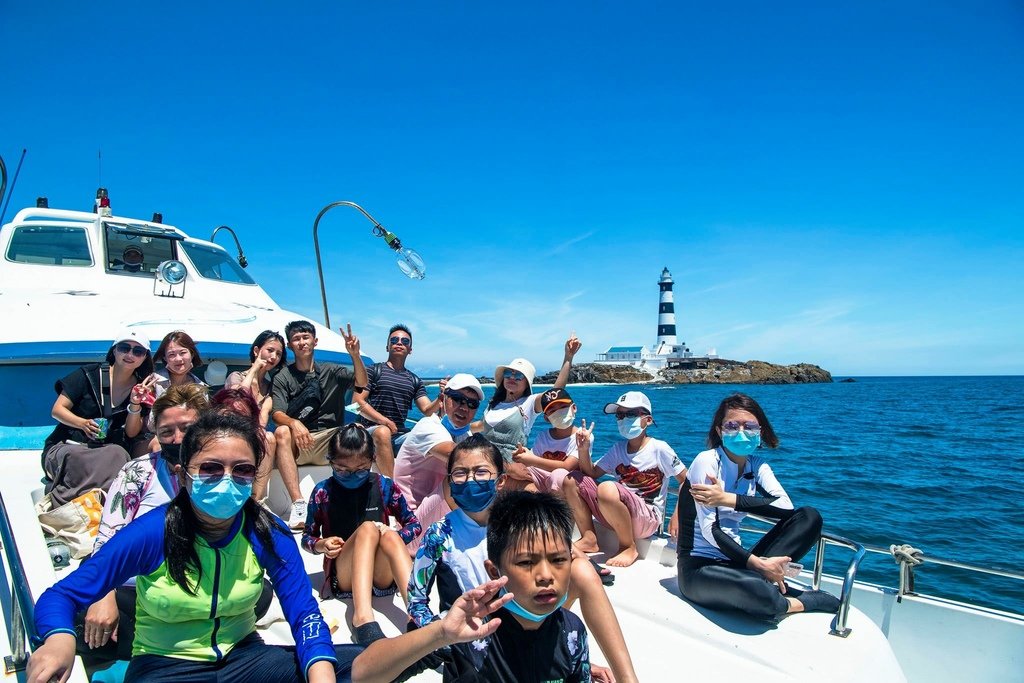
930,461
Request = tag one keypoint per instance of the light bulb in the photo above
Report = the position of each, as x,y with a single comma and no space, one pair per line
411,264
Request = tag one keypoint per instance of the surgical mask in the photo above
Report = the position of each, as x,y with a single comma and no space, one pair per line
171,452
517,609
630,429
562,419
352,480
740,443
452,429
221,499
474,496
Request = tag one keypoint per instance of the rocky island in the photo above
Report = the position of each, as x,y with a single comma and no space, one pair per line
702,371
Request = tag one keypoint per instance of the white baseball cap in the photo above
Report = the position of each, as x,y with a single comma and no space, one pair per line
464,380
129,334
630,401
520,365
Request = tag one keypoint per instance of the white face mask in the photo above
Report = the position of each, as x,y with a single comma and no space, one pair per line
561,419
630,429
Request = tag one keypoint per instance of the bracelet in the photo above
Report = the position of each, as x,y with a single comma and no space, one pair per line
134,412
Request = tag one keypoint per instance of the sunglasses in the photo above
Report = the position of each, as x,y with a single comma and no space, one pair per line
134,349
212,471
400,341
470,403
513,375
630,414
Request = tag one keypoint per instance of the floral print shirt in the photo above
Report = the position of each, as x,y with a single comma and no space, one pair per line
142,484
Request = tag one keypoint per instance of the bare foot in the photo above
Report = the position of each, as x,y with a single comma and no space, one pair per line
587,543
626,557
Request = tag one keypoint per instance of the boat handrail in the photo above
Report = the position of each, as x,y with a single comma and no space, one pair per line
23,620
839,627
880,550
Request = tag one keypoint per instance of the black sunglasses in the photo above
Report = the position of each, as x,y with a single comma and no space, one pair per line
470,403
402,341
125,347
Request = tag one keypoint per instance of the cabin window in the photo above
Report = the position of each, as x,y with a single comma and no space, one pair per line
215,264
130,253
50,245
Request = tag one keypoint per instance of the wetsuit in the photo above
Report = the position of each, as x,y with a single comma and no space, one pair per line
712,564
179,634
557,651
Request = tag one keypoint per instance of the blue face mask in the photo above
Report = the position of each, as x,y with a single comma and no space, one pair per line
452,429
740,443
630,429
517,609
472,496
352,480
221,499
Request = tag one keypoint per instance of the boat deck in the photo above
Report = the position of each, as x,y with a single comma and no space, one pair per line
665,634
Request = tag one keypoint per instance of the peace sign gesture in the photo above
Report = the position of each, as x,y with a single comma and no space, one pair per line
351,340
584,436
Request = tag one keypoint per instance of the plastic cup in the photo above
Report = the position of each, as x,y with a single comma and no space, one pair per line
793,569
102,423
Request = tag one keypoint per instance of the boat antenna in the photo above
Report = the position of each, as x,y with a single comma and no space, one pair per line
99,168
14,182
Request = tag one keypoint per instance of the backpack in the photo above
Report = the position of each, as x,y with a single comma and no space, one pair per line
305,406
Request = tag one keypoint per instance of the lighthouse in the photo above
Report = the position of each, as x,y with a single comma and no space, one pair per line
666,313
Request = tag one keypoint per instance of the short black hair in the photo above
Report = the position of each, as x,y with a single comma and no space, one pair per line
298,326
477,442
399,327
739,401
518,515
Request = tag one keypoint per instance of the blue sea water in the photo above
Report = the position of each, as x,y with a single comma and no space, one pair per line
931,461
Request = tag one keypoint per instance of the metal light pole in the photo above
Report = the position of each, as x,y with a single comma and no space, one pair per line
408,260
242,261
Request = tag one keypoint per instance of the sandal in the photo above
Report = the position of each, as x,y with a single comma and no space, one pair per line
607,578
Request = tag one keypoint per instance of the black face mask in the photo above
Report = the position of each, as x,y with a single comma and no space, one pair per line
171,452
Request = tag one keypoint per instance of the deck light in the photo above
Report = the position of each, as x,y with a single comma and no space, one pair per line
172,272
408,260
242,261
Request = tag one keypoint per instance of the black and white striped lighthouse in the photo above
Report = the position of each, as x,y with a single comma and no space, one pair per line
666,312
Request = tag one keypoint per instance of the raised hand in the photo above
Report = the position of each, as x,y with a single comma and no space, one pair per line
465,619
351,340
520,451
572,345
584,435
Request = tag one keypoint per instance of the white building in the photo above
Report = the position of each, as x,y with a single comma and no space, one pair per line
666,348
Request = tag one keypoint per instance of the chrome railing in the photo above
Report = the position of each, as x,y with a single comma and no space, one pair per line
839,627
23,620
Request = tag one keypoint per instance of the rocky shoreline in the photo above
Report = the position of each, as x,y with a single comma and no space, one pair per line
704,371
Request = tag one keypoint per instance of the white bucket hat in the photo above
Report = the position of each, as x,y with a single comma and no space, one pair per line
520,365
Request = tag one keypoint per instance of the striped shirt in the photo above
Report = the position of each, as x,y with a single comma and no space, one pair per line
392,393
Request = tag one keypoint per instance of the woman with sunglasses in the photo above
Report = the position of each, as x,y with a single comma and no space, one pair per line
99,411
723,485
348,521
199,562
512,411
107,629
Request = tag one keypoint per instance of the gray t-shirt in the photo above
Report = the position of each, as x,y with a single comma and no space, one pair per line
335,381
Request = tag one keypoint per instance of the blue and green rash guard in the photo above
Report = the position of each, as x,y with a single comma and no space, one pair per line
201,627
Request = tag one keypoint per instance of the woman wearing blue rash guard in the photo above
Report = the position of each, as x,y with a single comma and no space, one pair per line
199,562
721,487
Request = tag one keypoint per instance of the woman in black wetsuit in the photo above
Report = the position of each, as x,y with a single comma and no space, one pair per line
722,486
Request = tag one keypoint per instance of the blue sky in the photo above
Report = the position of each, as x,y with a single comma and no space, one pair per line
841,186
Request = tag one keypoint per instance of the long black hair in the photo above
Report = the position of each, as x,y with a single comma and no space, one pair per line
739,401
181,525
264,337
